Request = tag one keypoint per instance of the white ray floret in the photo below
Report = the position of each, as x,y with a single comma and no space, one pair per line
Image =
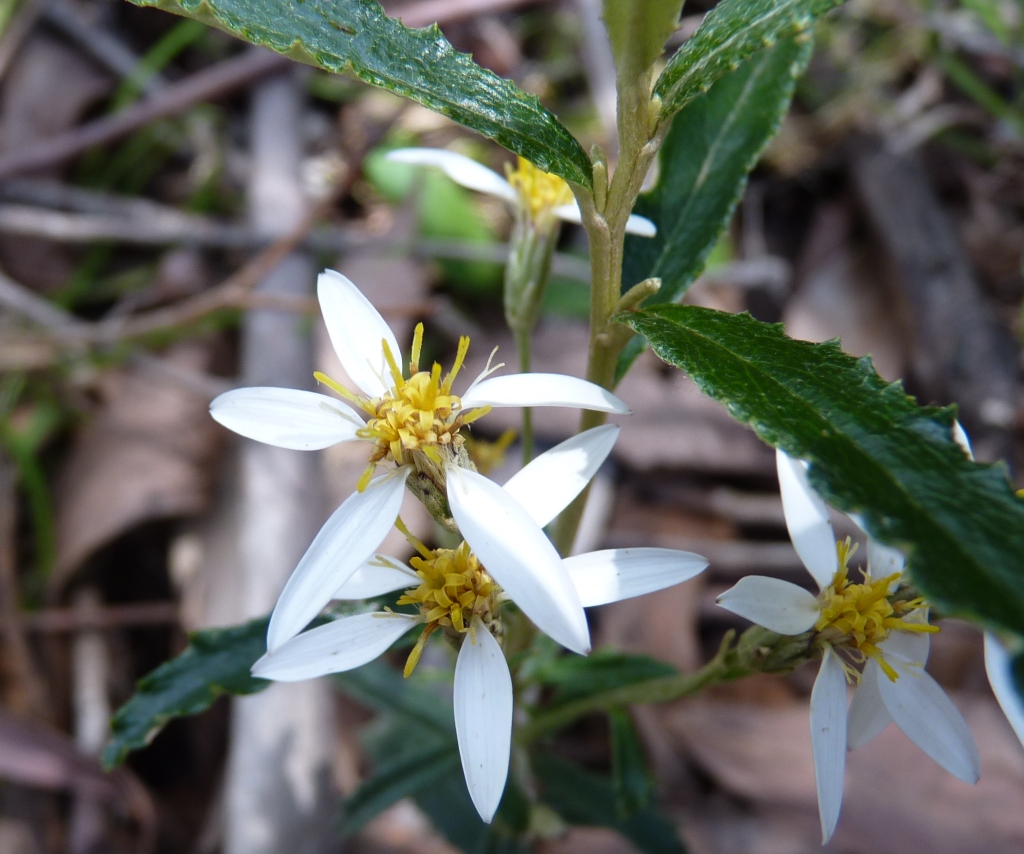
483,704
508,540
473,176
348,539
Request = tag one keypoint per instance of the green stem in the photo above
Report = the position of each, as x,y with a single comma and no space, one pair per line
757,651
523,342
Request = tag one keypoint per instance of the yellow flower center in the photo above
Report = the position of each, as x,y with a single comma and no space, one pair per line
418,418
859,617
454,588
539,191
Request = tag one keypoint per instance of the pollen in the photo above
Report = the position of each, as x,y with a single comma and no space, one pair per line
858,617
454,588
418,418
539,191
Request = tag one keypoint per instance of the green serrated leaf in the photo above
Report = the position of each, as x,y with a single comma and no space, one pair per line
356,36
630,778
576,676
216,662
638,31
383,688
713,144
585,798
397,777
873,451
731,32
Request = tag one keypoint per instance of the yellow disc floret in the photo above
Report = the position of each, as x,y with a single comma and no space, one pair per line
539,191
419,418
857,618
454,588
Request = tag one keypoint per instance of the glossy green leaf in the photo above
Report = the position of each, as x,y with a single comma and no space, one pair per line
630,777
715,140
396,777
731,32
585,798
356,36
383,688
638,31
216,662
873,451
576,676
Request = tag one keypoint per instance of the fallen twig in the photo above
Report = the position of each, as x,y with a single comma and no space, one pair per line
204,85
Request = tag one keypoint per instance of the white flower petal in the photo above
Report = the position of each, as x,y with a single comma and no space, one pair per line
342,645
868,715
518,556
909,646
1000,676
352,534
777,605
483,718
641,226
960,437
542,390
884,561
357,330
379,575
461,169
807,520
828,740
569,212
547,484
614,574
928,717
286,417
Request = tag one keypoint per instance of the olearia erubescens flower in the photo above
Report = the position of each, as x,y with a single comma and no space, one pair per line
530,191
505,557
878,624
415,420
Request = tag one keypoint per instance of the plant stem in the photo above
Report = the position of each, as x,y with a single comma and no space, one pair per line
523,337
757,651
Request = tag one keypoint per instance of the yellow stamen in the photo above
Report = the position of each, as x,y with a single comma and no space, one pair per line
417,346
365,477
454,590
857,618
539,191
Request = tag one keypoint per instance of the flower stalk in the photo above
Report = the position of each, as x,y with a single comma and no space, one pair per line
757,650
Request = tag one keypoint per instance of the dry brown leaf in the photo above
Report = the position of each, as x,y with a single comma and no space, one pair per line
47,91
897,800
145,455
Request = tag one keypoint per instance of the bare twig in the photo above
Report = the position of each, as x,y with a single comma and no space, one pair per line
97,617
204,85
101,45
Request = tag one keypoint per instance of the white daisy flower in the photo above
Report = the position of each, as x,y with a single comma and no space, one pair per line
875,623
460,592
415,421
538,193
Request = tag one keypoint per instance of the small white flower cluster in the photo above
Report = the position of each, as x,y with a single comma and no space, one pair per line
506,555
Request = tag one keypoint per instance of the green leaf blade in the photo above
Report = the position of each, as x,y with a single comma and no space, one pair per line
872,451
355,36
216,662
638,31
585,798
714,143
733,31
